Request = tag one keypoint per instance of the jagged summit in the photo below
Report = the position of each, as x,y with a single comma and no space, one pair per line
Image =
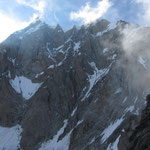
37,19
58,28
38,25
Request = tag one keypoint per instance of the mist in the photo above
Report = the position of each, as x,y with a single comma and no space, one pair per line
136,47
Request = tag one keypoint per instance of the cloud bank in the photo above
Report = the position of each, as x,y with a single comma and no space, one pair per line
145,16
38,5
88,14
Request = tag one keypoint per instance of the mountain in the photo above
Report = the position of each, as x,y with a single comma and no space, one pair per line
73,90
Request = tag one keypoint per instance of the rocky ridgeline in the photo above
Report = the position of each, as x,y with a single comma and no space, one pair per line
72,90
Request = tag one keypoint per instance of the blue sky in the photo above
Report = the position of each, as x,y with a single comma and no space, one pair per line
17,14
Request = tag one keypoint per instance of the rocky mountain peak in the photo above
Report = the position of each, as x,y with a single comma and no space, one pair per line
68,90
37,20
122,24
58,28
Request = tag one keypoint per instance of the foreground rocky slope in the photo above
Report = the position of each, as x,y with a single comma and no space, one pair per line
139,140
73,90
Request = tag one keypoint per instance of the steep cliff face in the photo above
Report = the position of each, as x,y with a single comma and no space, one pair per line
139,140
68,90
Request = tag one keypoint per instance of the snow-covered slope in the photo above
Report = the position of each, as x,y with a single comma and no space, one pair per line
24,86
10,137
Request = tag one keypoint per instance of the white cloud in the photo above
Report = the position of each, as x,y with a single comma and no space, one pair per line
145,18
38,5
89,14
56,18
9,25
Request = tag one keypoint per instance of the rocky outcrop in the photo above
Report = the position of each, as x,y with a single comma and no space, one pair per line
139,140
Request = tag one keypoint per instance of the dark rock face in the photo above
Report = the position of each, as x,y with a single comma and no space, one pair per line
139,140
10,105
85,80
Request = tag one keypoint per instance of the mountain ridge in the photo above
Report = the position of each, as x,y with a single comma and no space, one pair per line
71,90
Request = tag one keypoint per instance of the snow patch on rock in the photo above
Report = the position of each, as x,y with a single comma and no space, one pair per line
77,46
74,111
142,62
37,75
114,146
12,60
24,86
54,144
119,90
92,141
51,67
10,137
110,129
95,77
125,99
63,144
105,50
34,29
129,109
